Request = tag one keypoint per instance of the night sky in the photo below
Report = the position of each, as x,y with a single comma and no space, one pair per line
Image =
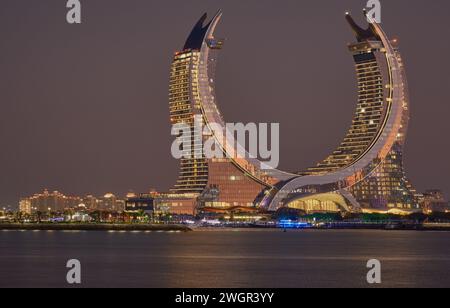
84,108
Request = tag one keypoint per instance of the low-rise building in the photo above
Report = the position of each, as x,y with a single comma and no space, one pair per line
163,203
25,206
57,202
48,202
434,202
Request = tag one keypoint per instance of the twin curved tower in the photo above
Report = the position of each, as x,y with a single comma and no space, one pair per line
364,173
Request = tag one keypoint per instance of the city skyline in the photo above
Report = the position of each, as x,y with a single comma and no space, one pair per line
229,184
67,156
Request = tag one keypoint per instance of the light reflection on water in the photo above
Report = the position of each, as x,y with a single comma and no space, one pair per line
267,258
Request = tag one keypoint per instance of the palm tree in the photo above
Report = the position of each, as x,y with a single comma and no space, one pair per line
19,216
39,216
96,216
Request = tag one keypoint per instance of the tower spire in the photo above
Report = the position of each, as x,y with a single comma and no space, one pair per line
361,34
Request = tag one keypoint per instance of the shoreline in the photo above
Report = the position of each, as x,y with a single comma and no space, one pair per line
92,227
182,228
348,227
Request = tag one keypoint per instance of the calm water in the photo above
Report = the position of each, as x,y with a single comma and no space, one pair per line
225,259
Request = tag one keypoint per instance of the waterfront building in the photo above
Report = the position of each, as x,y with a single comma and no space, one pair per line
57,202
434,202
163,204
49,202
176,204
109,202
365,173
211,182
143,203
90,202
25,206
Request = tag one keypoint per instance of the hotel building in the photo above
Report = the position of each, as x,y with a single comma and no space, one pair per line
364,174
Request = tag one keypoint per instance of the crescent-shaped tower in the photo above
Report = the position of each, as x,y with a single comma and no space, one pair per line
231,181
364,172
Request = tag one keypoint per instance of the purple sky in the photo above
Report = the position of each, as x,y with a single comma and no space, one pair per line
84,108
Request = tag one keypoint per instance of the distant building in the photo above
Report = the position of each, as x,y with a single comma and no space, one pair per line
170,203
58,202
79,217
143,203
48,202
109,202
434,202
91,202
176,204
25,206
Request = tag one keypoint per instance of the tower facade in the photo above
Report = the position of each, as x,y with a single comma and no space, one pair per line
193,176
387,186
220,182
366,171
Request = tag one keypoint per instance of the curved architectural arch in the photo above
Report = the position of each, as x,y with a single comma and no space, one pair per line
238,155
376,136
198,63
327,202
233,180
373,47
